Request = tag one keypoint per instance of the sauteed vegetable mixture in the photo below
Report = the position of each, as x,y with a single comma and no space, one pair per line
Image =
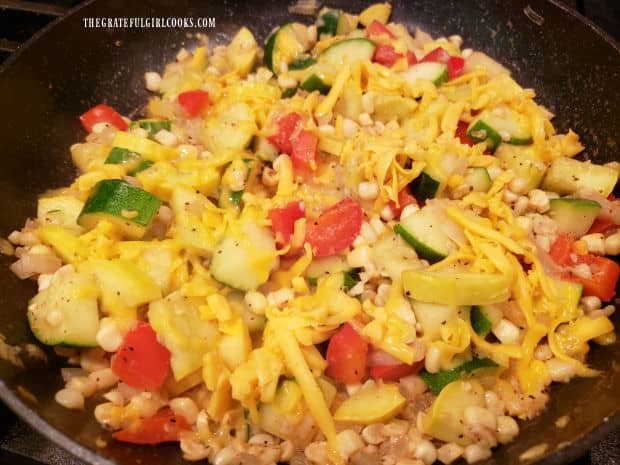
354,245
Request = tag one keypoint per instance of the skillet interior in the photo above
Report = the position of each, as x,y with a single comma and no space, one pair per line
573,68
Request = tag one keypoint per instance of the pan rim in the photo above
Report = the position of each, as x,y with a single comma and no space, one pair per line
13,401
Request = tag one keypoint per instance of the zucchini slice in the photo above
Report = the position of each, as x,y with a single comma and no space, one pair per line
348,51
437,381
574,216
567,175
134,162
66,312
327,23
314,82
301,63
478,177
424,187
422,230
500,124
153,126
130,208
524,161
282,47
437,73
456,287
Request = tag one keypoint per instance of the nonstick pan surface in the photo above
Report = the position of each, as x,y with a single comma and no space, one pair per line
66,69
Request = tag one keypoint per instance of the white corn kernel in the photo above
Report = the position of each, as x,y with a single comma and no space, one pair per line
167,138
98,128
368,104
449,452
316,452
281,296
612,244
383,291
227,456
256,302
560,370
359,257
140,132
377,225
476,417
506,331
368,232
494,171
518,185
327,129
109,415
83,384
595,243
185,407
115,397
524,222
425,451
312,34
543,352
349,442
409,210
368,190
70,398
538,200
373,434
287,82
432,360
387,213
521,205
456,40
287,450
582,271
109,337
507,429
544,225
591,302
509,196
277,163
365,119
262,439
494,403
153,81
474,453
466,53
349,128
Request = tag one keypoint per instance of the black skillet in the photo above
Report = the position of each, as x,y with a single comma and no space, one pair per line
574,67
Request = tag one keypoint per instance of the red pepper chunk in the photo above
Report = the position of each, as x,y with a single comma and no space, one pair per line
287,126
455,67
375,28
193,102
303,153
335,229
604,279
461,133
438,55
404,198
164,426
102,114
346,356
283,220
393,372
601,225
386,55
141,361
604,272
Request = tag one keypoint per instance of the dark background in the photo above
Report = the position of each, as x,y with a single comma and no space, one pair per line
19,20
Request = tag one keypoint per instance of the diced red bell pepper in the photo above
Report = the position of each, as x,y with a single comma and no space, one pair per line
283,220
193,102
335,229
376,29
461,133
303,154
287,126
605,272
455,67
102,114
386,55
141,361
404,198
411,58
438,55
346,356
393,372
164,426
601,225
604,279
562,249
